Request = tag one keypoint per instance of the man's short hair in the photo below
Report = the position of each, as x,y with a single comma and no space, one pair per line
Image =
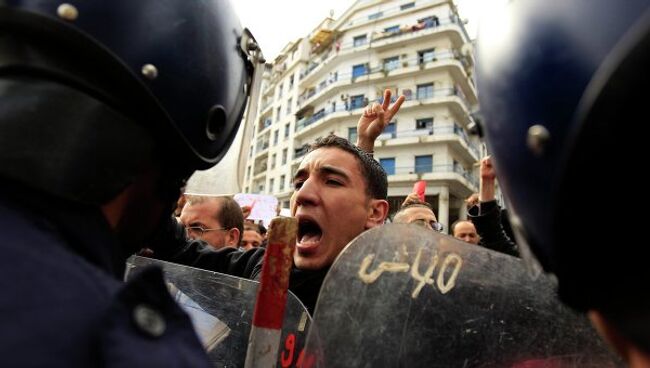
371,171
453,226
229,214
411,204
252,227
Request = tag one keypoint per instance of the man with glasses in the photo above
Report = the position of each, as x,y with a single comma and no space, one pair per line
414,211
218,221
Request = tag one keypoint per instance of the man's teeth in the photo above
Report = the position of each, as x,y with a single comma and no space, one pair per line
310,238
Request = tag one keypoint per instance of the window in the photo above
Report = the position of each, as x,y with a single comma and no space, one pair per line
278,113
289,103
390,129
388,164
286,204
286,130
248,172
357,102
284,156
352,135
275,137
428,22
426,56
360,40
291,82
359,70
246,190
407,6
425,91
271,185
375,15
280,90
423,164
282,182
426,123
273,157
391,63
260,188
392,29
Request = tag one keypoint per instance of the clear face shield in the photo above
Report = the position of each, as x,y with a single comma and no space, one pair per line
250,48
234,161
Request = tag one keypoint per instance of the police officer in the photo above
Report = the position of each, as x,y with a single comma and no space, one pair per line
106,108
564,96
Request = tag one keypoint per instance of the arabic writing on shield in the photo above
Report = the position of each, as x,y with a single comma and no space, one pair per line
444,282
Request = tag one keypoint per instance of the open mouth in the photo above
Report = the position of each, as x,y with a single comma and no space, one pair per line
309,236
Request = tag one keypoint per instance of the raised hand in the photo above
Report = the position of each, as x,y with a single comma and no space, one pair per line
374,120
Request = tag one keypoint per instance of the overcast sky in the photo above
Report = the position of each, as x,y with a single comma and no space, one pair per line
275,23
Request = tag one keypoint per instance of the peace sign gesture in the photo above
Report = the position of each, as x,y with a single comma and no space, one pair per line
374,119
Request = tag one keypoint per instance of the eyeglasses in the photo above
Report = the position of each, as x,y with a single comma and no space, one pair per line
200,230
433,225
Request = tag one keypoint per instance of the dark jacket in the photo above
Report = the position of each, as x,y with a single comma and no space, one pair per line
63,301
487,218
173,245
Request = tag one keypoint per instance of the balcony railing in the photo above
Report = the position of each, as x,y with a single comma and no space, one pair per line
300,151
266,104
335,107
259,169
385,68
261,147
349,106
404,32
442,129
426,169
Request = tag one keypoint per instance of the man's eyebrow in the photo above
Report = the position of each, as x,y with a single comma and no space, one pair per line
300,173
327,169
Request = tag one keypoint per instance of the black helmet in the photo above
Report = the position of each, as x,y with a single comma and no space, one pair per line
181,70
563,88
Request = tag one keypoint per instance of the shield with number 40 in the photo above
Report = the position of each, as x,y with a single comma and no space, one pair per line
404,296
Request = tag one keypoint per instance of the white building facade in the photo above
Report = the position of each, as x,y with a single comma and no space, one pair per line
320,84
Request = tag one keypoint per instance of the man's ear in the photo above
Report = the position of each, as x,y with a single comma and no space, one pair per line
233,237
377,213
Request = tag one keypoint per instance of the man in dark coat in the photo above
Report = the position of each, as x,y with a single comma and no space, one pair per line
340,191
97,136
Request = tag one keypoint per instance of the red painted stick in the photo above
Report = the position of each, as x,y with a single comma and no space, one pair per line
266,331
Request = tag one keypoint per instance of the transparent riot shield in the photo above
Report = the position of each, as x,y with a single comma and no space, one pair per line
221,309
405,296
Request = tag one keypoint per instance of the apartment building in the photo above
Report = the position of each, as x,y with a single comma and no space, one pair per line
321,83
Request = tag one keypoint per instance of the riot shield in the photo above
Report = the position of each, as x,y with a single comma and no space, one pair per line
221,309
405,296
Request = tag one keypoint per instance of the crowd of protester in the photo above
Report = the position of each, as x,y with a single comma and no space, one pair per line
95,155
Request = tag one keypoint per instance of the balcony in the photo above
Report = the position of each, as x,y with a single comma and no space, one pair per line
327,112
299,152
382,39
259,169
265,106
261,147
263,124
432,172
397,69
467,149
419,98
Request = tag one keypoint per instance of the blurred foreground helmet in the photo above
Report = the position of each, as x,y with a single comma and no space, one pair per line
95,89
564,96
